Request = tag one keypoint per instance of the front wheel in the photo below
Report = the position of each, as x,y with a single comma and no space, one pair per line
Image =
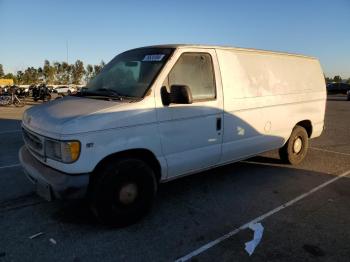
295,149
123,191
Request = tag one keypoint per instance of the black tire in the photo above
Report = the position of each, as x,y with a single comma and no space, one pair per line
112,182
290,152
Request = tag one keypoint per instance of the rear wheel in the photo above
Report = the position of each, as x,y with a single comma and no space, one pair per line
295,149
5,101
123,191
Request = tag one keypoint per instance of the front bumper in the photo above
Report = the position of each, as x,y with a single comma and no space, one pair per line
51,183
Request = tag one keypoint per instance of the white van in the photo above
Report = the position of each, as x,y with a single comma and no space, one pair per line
156,113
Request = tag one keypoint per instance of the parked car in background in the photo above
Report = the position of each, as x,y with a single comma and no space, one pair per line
337,88
65,90
348,95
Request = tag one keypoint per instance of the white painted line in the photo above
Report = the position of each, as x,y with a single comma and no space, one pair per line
11,131
258,219
9,166
329,151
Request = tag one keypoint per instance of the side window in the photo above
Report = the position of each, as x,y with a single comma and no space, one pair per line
196,71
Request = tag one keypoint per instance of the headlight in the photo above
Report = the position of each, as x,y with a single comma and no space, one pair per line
53,149
63,151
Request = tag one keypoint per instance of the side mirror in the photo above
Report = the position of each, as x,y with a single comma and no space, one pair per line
179,94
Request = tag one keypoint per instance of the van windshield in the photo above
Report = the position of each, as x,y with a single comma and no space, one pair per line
129,74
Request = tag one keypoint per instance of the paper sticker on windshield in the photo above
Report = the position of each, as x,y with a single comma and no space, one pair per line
153,58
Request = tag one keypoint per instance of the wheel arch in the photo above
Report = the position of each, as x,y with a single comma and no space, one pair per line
307,124
139,153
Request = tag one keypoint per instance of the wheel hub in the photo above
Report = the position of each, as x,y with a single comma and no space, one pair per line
297,146
128,193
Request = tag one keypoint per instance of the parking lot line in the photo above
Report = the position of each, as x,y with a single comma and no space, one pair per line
329,151
9,166
11,131
259,219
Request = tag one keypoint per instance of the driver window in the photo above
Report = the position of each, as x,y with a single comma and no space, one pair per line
196,71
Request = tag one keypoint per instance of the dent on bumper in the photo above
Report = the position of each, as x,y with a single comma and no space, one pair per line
63,186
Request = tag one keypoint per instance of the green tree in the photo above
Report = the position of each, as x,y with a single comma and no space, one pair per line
55,73
20,75
31,76
41,77
49,72
78,72
98,68
328,79
66,73
63,73
58,68
89,73
1,71
337,79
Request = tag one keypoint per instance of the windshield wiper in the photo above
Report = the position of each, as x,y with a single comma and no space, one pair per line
106,92
101,92
110,92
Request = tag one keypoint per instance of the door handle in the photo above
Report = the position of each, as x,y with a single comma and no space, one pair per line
218,124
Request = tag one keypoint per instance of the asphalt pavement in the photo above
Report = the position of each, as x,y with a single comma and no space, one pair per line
304,210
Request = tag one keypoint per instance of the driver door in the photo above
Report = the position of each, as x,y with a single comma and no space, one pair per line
191,134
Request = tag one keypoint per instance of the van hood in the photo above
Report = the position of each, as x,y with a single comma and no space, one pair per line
72,115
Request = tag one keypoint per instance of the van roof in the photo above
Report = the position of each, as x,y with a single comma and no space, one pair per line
227,48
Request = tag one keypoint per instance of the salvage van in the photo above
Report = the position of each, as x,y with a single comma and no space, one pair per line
157,113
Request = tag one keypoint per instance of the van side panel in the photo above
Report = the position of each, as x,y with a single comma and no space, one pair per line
265,96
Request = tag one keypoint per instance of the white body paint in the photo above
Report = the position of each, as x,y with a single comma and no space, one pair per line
260,97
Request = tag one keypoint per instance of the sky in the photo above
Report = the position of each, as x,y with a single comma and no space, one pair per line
32,31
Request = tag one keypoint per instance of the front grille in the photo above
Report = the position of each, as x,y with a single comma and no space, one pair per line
34,142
